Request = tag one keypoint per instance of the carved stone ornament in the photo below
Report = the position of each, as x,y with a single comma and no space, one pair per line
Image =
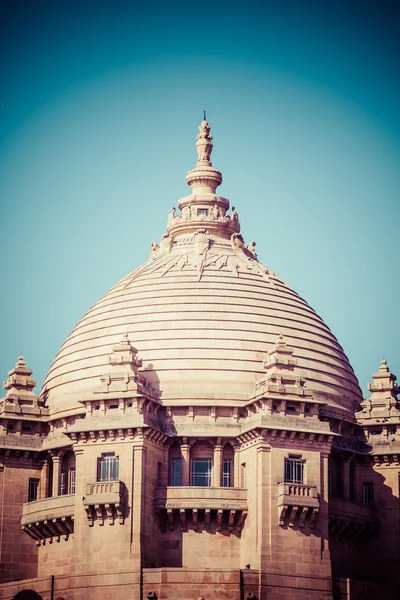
204,144
237,242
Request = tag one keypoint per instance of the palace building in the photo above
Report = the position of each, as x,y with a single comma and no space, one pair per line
200,434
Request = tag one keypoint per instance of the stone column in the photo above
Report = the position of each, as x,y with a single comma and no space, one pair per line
346,479
323,510
44,480
216,472
56,475
185,450
137,497
264,503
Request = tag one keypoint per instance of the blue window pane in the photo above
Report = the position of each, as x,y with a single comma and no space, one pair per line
201,471
176,470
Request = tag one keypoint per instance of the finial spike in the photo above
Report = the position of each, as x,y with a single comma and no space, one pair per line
205,116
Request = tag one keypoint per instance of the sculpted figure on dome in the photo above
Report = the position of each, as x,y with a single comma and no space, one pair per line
215,212
204,144
186,213
171,216
154,248
235,216
237,242
252,249
193,213
166,242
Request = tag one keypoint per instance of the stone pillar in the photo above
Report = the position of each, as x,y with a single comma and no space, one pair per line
236,466
323,510
44,480
346,479
216,472
56,475
264,504
185,450
137,497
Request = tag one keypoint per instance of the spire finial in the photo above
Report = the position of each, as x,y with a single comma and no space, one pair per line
205,116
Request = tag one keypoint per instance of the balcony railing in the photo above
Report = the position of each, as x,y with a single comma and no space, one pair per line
224,508
104,500
201,497
298,504
351,520
49,517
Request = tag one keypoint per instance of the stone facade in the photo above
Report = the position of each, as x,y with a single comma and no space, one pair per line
200,434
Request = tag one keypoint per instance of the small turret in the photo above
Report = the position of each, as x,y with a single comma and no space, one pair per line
20,398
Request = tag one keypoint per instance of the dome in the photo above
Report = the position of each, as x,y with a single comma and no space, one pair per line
203,313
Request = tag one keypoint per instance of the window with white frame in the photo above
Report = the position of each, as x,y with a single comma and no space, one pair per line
294,469
108,467
227,473
201,471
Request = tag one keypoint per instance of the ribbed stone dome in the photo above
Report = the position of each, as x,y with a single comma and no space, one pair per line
203,313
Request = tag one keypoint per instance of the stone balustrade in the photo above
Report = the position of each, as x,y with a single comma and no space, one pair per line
201,497
49,517
297,504
350,519
104,500
195,506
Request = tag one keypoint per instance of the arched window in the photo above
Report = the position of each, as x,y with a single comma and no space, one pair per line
67,474
201,464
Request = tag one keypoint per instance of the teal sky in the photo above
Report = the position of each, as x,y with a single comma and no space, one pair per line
99,107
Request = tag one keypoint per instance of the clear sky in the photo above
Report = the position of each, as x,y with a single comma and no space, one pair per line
99,107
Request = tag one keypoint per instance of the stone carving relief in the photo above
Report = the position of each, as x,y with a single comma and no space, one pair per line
200,256
196,213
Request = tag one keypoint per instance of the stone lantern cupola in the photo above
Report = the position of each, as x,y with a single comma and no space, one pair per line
204,208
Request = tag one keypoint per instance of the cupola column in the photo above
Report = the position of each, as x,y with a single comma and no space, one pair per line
56,475
216,473
185,451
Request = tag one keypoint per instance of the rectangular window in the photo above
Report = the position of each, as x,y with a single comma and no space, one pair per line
368,494
72,481
294,469
227,473
176,471
201,471
63,483
33,488
108,468
202,211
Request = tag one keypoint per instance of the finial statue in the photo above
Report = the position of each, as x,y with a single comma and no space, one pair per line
204,143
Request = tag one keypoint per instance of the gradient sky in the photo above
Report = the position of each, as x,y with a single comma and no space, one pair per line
99,107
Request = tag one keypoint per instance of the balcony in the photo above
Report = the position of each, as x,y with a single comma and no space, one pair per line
350,519
49,518
226,508
104,500
298,504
